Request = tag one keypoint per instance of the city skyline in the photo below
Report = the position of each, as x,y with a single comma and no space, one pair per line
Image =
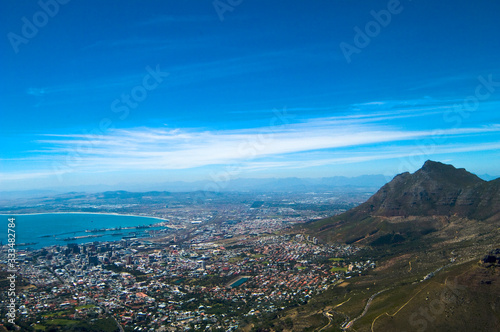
108,94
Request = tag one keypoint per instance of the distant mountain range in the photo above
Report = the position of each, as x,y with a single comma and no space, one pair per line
336,183
296,184
289,184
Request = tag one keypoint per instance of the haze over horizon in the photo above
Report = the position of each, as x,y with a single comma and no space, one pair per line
123,93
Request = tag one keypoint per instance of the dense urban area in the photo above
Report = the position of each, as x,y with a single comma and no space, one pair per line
217,265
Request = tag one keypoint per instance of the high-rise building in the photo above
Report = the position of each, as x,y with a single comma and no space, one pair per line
93,260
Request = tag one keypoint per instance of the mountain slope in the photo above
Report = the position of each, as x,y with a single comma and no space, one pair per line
428,233
435,189
415,204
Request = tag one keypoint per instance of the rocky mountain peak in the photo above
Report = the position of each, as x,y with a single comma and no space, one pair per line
435,189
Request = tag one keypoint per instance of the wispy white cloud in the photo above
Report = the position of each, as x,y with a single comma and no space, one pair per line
368,155
181,74
31,175
38,92
284,143
146,148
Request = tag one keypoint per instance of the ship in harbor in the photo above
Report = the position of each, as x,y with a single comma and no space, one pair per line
27,244
81,237
130,236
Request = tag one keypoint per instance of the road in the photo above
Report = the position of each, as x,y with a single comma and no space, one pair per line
328,315
346,326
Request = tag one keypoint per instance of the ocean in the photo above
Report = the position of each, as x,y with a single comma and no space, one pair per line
41,230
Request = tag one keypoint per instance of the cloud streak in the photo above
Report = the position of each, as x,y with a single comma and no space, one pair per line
371,155
160,148
379,131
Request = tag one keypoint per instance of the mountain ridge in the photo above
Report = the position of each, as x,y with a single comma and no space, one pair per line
414,204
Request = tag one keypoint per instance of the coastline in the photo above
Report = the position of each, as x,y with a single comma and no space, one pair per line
51,224
98,213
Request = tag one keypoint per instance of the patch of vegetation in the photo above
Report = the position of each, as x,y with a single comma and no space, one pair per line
100,325
336,259
87,306
257,256
257,204
61,322
236,259
57,314
338,269
355,239
388,239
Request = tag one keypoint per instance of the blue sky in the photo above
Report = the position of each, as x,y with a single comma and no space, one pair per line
121,92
